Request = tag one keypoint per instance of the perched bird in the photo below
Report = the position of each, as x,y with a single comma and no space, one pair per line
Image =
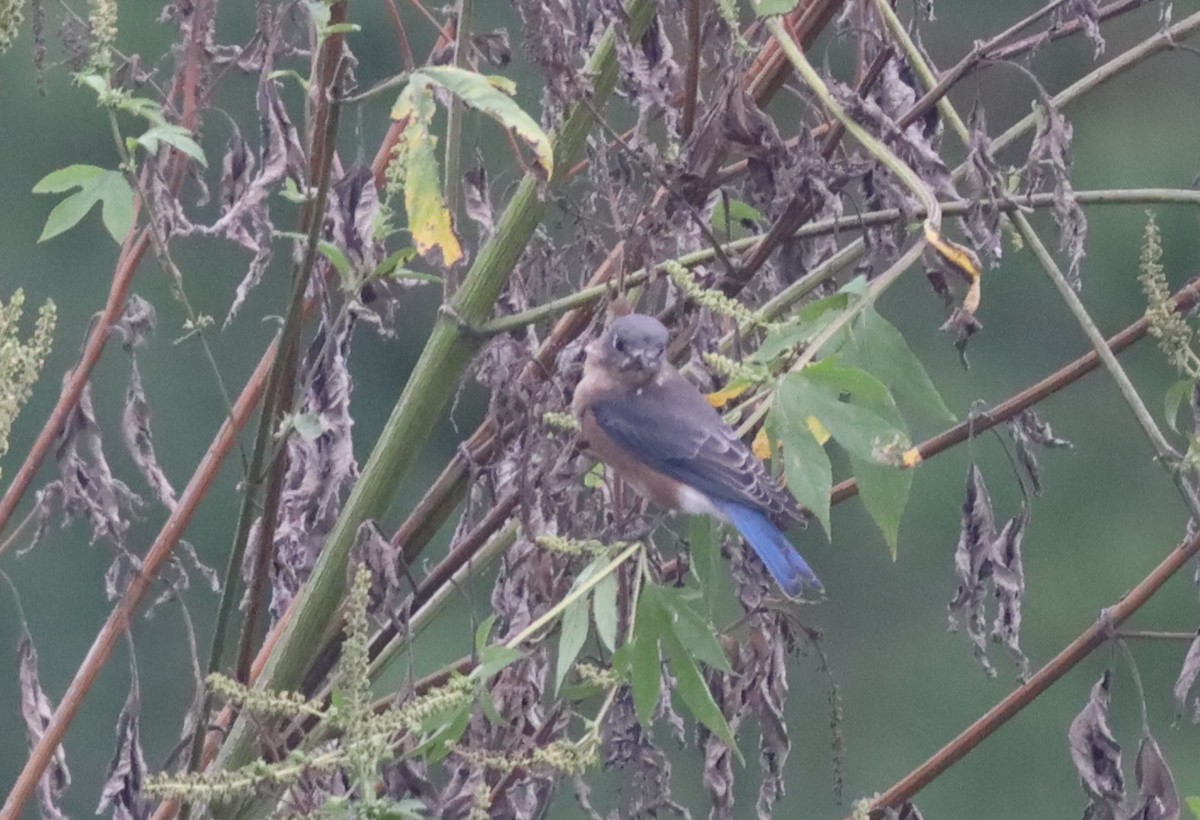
656,430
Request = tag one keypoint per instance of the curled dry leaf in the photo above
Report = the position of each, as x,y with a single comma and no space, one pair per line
122,792
135,430
1187,679
1026,430
1158,799
984,556
1095,752
37,710
1050,158
373,550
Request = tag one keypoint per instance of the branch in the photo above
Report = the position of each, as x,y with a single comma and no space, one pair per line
1185,300
1092,638
451,345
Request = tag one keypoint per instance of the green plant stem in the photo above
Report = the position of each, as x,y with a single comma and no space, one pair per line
495,546
450,347
1154,635
886,216
870,144
551,614
1166,453
915,59
1163,41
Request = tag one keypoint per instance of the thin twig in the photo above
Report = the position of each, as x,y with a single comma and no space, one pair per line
1167,454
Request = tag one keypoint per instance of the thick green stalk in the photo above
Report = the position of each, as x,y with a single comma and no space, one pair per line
449,349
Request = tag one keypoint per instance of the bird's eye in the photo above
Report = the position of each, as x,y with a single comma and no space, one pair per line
619,344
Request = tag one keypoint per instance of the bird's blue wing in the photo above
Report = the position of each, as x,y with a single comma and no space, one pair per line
672,429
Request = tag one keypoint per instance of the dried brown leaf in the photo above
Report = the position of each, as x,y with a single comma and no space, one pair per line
973,565
135,430
37,710
122,791
1095,752
1008,581
1158,799
1187,679
1026,430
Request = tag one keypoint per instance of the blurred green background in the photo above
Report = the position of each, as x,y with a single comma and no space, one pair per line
1109,513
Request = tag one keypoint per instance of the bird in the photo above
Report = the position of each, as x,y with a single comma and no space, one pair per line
656,430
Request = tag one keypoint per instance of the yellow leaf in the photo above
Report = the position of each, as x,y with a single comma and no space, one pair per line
722,397
429,221
961,258
817,429
762,445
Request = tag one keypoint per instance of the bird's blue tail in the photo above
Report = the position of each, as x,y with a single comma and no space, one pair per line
786,565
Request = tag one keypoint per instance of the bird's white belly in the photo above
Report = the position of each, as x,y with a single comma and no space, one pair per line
695,502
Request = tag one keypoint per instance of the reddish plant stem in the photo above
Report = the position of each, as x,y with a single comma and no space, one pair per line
1185,299
118,621
1092,638
136,243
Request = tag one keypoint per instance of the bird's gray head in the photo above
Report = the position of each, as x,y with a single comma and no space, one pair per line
635,345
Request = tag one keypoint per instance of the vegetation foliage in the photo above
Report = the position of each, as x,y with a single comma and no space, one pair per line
653,173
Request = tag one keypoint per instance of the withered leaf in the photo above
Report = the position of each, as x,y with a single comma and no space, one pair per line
37,711
1008,580
135,430
1050,155
373,550
1095,752
1158,799
122,792
136,323
1187,679
973,564
1026,430
1087,13
86,488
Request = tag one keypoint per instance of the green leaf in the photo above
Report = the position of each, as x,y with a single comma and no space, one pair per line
1174,398
177,137
110,188
492,659
859,412
884,491
805,462
810,320
706,556
339,262
879,348
483,632
729,218
1193,804
580,691
64,179
864,422
604,610
694,631
766,8
429,221
491,95
639,659
694,692
572,635
443,731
